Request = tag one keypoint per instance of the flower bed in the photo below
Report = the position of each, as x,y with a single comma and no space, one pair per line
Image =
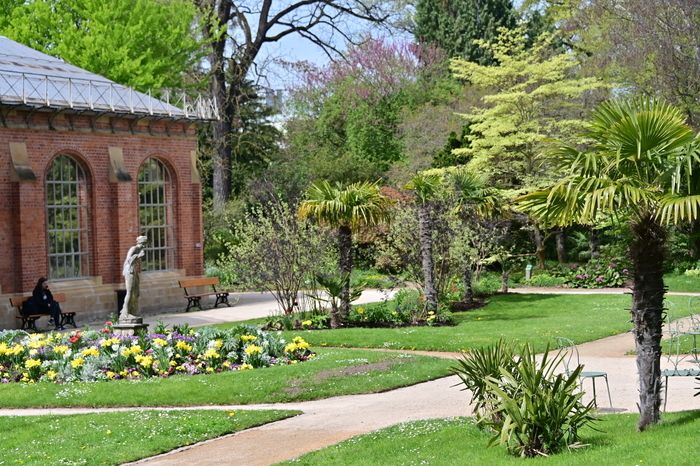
102,355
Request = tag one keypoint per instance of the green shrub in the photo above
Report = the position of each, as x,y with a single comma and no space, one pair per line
598,273
545,279
487,284
476,366
537,410
531,409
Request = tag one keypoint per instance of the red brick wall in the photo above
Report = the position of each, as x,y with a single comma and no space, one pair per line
113,206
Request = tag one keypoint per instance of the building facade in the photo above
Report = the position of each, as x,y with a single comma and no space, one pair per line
86,166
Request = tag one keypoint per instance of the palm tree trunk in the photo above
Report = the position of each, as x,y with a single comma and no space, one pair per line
345,264
426,250
648,252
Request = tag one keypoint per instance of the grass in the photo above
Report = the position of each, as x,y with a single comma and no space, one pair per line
537,319
333,372
682,283
458,441
115,438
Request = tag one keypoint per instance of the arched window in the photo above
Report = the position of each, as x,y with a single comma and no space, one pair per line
67,218
155,215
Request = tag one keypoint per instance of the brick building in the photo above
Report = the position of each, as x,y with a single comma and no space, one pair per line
87,165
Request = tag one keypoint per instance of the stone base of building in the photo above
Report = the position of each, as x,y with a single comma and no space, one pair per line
92,301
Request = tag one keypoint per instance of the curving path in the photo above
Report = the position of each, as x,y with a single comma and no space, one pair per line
329,421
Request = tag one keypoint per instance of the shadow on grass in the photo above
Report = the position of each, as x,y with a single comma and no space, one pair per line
685,417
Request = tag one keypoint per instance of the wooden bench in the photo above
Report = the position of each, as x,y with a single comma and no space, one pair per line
202,290
29,321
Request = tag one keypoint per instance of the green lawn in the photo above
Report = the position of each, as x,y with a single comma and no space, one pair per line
534,318
456,441
116,438
333,372
680,282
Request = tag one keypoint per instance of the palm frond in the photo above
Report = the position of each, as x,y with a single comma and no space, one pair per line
674,208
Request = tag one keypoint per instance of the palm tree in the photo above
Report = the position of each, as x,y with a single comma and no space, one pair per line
638,167
345,208
426,185
474,200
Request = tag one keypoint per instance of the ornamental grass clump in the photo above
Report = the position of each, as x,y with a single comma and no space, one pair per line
529,406
102,355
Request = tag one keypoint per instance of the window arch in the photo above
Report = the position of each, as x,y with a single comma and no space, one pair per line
67,218
156,214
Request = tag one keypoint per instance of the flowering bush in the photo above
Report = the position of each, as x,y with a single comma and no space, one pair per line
103,355
597,274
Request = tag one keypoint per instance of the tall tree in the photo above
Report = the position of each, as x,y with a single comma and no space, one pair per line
638,167
145,44
426,186
454,25
346,208
237,30
532,95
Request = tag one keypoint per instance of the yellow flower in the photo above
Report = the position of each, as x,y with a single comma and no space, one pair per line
145,361
60,349
210,370
3,349
136,349
290,348
218,344
253,349
77,362
173,364
301,343
245,367
181,345
110,375
51,374
123,373
30,363
16,350
91,351
36,342
210,354
231,413
109,342
360,310
306,323
160,342
125,352
247,338
226,365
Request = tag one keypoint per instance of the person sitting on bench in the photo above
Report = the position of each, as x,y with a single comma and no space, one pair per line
42,302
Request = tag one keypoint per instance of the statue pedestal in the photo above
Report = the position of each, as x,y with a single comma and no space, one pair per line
130,327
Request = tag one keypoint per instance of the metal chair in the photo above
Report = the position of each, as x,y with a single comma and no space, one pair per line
571,361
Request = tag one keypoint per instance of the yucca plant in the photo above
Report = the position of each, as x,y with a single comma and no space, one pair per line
537,411
641,166
476,366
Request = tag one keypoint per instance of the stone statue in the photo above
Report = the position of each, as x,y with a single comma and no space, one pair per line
131,271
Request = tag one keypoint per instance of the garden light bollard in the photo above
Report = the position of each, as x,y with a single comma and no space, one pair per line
528,271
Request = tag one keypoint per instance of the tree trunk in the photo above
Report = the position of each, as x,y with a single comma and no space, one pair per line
345,265
468,295
539,246
426,250
694,239
561,246
647,252
505,276
594,243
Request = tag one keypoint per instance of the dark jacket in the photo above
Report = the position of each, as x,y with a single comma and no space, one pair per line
39,303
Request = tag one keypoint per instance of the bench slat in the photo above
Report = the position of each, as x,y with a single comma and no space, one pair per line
203,281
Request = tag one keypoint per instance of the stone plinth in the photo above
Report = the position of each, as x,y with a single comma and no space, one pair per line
132,327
